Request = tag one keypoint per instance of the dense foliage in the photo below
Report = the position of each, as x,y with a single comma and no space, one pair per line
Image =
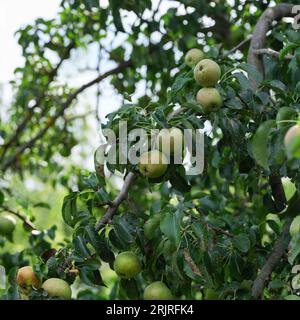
206,236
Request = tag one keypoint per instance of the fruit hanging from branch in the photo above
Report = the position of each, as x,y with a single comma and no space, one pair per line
153,164
56,287
207,73
157,291
209,99
7,225
127,265
292,141
26,278
193,56
170,141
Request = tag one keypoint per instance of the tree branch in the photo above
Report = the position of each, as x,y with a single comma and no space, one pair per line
26,221
262,27
30,143
272,53
118,200
237,47
22,125
272,261
257,43
191,263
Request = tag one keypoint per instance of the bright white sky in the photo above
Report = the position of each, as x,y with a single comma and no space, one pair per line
14,14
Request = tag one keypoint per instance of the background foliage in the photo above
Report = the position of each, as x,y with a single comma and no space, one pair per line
216,230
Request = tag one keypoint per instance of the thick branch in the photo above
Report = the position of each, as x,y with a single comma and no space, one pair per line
30,143
118,200
278,251
26,221
258,42
262,27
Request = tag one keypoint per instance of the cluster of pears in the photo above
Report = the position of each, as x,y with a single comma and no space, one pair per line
127,265
7,225
153,164
55,287
207,73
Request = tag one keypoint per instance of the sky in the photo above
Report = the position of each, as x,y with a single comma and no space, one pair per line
13,15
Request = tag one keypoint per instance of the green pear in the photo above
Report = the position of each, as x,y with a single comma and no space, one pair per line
153,164
292,141
193,56
151,225
7,225
207,73
295,226
209,99
127,265
56,287
157,291
170,141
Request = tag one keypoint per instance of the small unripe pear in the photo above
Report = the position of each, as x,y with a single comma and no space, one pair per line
151,225
7,225
153,164
170,141
209,99
157,291
193,56
56,287
207,73
292,140
26,278
127,265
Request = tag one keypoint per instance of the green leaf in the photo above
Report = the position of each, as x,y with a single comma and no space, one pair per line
160,118
131,288
290,46
285,113
253,73
122,229
69,209
295,249
292,297
178,180
81,247
179,83
99,244
170,226
242,242
260,143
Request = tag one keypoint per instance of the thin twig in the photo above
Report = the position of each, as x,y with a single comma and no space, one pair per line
237,47
118,200
272,53
191,262
26,221
30,143
22,125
